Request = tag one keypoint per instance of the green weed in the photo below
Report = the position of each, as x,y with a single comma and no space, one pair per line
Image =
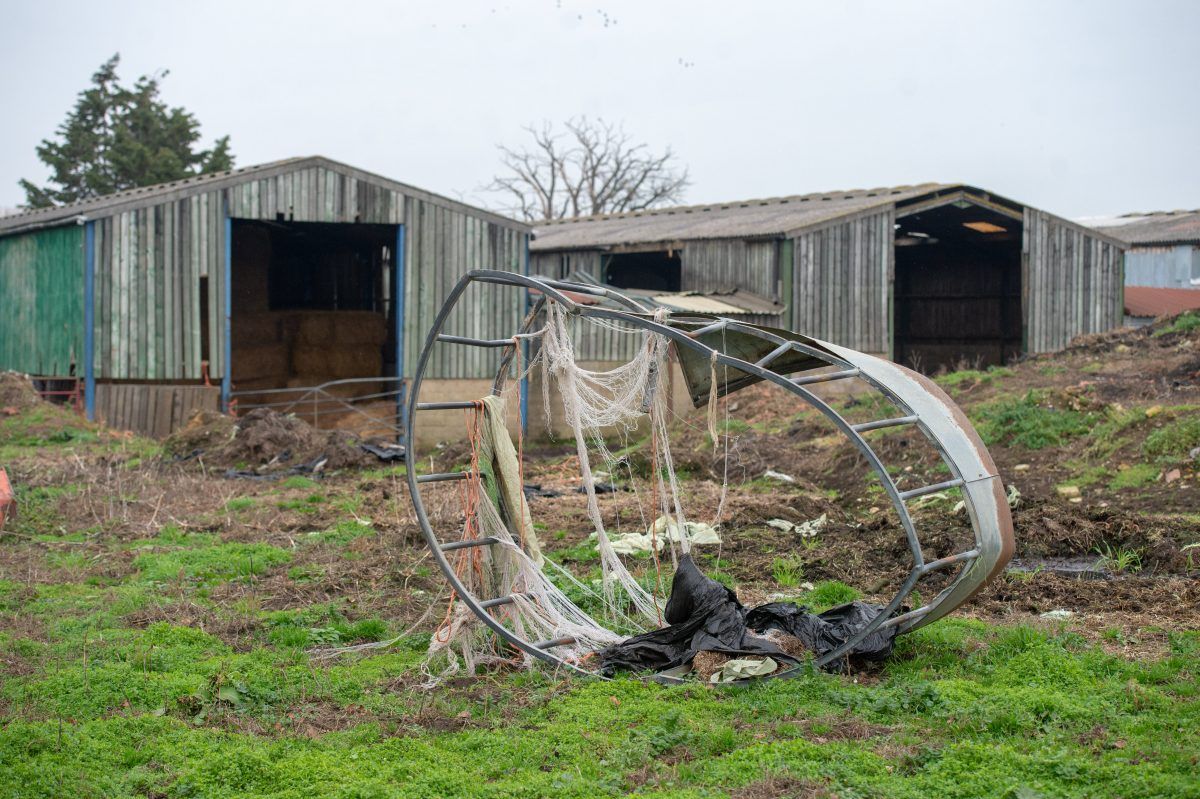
1173,441
1183,323
1136,476
1027,422
788,572
1119,560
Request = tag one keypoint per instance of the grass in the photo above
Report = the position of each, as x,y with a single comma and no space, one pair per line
1136,476
972,377
1029,422
1119,560
1173,441
788,572
1183,323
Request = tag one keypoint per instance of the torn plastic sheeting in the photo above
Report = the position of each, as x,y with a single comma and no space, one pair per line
705,616
808,529
744,669
663,530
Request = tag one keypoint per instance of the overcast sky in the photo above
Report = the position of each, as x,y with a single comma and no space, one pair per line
1080,108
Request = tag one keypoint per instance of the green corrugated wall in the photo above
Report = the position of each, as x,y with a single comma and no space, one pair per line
41,301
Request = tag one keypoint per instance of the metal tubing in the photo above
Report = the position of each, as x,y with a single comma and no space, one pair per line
930,489
825,378
882,423
773,354
476,342
949,560
469,543
446,406
488,604
442,477
553,642
873,371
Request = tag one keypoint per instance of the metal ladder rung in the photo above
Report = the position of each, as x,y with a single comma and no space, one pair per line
497,602
825,378
949,560
773,354
470,542
553,642
475,342
445,406
931,489
881,423
442,477
708,328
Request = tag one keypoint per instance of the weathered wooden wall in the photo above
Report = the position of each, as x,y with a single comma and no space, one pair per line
1072,282
153,262
41,284
842,281
444,244
723,264
153,410
562,265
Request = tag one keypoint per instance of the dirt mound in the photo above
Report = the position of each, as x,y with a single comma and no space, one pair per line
1052,530
264,438
17,391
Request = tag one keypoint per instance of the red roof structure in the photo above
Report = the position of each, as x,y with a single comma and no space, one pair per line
1153,301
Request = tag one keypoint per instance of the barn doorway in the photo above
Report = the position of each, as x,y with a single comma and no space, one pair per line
657,270
957,290
313,320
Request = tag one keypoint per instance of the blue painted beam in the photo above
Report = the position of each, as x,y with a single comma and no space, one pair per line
227,300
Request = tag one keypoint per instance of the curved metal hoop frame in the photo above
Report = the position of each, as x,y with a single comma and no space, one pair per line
921,402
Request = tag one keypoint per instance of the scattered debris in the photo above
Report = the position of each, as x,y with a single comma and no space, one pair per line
1021,467
771,474
264,440
660,532
1069,492
1172,476
743,669
705,616
536,490
1059,614
808,529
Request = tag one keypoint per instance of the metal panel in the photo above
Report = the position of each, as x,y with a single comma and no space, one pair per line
42,283
1163,267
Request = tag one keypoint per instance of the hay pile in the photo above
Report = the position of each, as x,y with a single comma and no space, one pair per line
264,440
17,392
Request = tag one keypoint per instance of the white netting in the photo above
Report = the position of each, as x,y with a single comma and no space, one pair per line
594,404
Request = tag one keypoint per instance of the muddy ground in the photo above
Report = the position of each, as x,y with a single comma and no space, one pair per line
1105,522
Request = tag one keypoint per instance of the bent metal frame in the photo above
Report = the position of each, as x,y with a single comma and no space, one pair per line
754,354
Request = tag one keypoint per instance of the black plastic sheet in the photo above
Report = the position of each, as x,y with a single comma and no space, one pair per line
705,616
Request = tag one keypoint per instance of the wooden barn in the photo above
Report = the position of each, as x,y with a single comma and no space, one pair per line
306,285
933,275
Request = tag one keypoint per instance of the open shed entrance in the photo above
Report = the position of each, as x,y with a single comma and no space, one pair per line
957,292
657,270
313,305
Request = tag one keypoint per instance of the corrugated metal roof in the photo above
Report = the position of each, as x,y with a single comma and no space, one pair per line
1152,228
1154,301
697,303
775,216
147,195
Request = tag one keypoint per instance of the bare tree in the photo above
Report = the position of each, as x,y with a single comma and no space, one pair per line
587,168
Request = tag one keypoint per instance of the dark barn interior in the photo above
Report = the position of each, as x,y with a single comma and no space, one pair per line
312,303
657,270
957,292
